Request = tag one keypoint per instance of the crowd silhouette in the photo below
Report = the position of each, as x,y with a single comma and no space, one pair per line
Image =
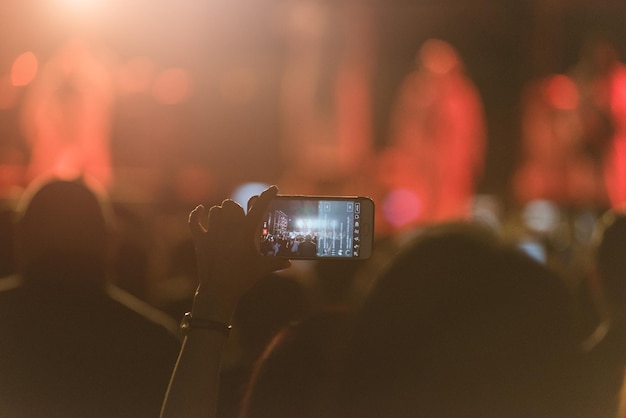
459,323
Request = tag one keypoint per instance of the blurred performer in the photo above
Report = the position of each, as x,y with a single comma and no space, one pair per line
574,133
325,97
66,115
615,166
437,139
554,164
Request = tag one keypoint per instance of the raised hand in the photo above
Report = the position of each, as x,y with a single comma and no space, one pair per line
228,260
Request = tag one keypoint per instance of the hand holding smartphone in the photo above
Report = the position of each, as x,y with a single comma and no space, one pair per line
315,227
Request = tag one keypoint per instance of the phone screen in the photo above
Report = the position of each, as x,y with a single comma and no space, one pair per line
311,227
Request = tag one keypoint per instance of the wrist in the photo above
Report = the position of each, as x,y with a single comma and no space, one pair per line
191,323
208,307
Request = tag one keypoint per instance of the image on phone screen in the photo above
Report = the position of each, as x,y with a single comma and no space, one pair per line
317,227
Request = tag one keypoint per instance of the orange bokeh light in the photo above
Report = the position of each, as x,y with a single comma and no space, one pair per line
24,69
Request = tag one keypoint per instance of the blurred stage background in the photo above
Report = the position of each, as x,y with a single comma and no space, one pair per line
436,109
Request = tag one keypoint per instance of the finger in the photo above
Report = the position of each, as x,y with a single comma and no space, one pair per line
232,212
251,201
196,221
215,218
255,214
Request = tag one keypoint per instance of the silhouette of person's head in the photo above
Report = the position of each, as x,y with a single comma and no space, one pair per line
461,325
63,233
80,346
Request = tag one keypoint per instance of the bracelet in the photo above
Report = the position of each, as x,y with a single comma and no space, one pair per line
189,323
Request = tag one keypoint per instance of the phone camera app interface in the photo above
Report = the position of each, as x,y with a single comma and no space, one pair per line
311,228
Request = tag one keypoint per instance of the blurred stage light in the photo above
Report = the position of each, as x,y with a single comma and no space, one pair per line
78,13
487,209
24,69
401,207
541,216
80,6
246,191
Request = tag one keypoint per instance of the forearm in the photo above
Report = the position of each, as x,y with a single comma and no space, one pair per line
194,386
193,389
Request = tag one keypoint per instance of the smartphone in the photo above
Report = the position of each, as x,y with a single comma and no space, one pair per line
317,227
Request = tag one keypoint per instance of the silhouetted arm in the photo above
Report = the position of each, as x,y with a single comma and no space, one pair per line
228,265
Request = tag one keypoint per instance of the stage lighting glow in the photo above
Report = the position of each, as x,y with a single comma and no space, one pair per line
24,69
541,216
487,210
402,207
79,6
244,192
78,13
